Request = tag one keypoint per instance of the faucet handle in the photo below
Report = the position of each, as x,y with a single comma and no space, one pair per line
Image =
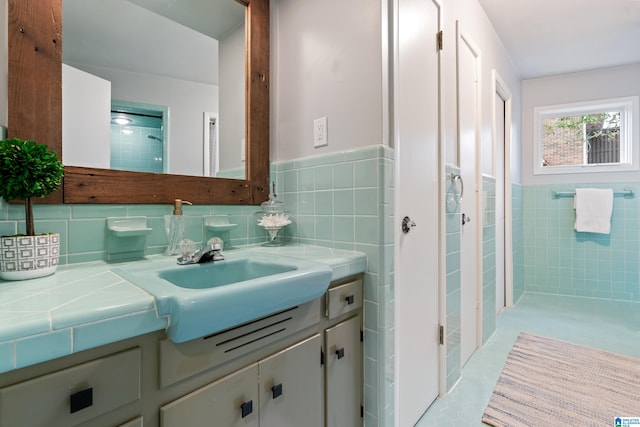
214,244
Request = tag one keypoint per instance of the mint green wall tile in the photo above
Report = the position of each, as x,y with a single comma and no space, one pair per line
371,310
371,373
347,246
225,209
86,257
372,288
290,201
52,211
158,235
242,230
306,227
324,227
363,153
15,211
366,201
97,211
366,173
306,203
343,202
191,210
388,221
306,179
343,228
193,228
87,235
371,341
367,229
343,175
386,268
40,348
8,228
289,181
373,252
310,162
550,243
323,176
323,202
285,166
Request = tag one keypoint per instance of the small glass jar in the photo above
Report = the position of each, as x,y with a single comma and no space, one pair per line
272,217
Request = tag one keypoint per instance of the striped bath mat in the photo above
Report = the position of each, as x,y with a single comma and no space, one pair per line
547,382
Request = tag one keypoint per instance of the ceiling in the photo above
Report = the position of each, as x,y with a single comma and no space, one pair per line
170,38
547,37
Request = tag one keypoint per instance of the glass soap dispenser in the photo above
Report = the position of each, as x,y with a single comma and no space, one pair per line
174,227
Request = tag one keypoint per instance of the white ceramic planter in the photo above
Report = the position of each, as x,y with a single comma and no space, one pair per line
28,257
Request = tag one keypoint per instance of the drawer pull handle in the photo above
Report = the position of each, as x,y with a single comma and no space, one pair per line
350,299
80,400
340,353
276,390
247,408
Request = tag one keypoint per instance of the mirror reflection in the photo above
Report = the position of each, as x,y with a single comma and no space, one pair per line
155,86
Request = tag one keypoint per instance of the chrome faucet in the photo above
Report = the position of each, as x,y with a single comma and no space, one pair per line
207,253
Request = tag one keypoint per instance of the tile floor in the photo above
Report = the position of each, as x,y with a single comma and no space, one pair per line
610,325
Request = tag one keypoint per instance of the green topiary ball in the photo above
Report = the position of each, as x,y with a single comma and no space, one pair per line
28,169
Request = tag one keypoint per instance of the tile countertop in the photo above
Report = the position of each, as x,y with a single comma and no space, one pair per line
86,305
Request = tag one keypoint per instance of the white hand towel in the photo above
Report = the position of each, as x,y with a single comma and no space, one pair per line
593,210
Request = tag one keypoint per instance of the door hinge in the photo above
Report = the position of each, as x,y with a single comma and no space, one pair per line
321,357
441,334
439,40
361,336
361,411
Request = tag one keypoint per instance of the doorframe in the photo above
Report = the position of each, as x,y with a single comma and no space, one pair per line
207,167
442,226
498,86
463,37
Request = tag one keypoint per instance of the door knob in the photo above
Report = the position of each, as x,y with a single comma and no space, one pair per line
465,218
407,224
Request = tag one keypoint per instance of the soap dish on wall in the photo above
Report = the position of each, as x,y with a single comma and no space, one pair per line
126,237
219,226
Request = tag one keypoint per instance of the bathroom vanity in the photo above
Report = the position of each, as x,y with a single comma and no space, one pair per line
301,366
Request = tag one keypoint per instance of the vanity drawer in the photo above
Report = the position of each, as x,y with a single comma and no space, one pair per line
344,298
74,395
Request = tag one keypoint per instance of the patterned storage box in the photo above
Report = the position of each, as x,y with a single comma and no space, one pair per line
36,256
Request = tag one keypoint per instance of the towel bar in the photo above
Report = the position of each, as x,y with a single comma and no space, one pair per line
627,192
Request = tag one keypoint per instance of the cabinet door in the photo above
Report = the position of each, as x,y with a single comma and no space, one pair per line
344,374
291,386
74,395
230,402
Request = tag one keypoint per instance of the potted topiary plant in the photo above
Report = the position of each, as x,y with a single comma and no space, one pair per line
28,170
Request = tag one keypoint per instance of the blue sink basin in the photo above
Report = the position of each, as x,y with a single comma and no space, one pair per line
202,299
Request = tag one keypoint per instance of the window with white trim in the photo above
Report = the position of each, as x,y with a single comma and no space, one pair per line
586,137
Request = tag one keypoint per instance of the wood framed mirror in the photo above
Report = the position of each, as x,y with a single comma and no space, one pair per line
35,112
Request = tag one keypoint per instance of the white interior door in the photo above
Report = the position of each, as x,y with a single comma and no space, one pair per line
500,213
469,149
416,93
504,253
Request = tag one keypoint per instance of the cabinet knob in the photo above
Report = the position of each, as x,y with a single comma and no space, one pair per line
80,400
246,408
276,390
340,352
350,299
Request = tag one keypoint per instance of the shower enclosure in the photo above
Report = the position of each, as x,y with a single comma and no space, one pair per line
137,138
